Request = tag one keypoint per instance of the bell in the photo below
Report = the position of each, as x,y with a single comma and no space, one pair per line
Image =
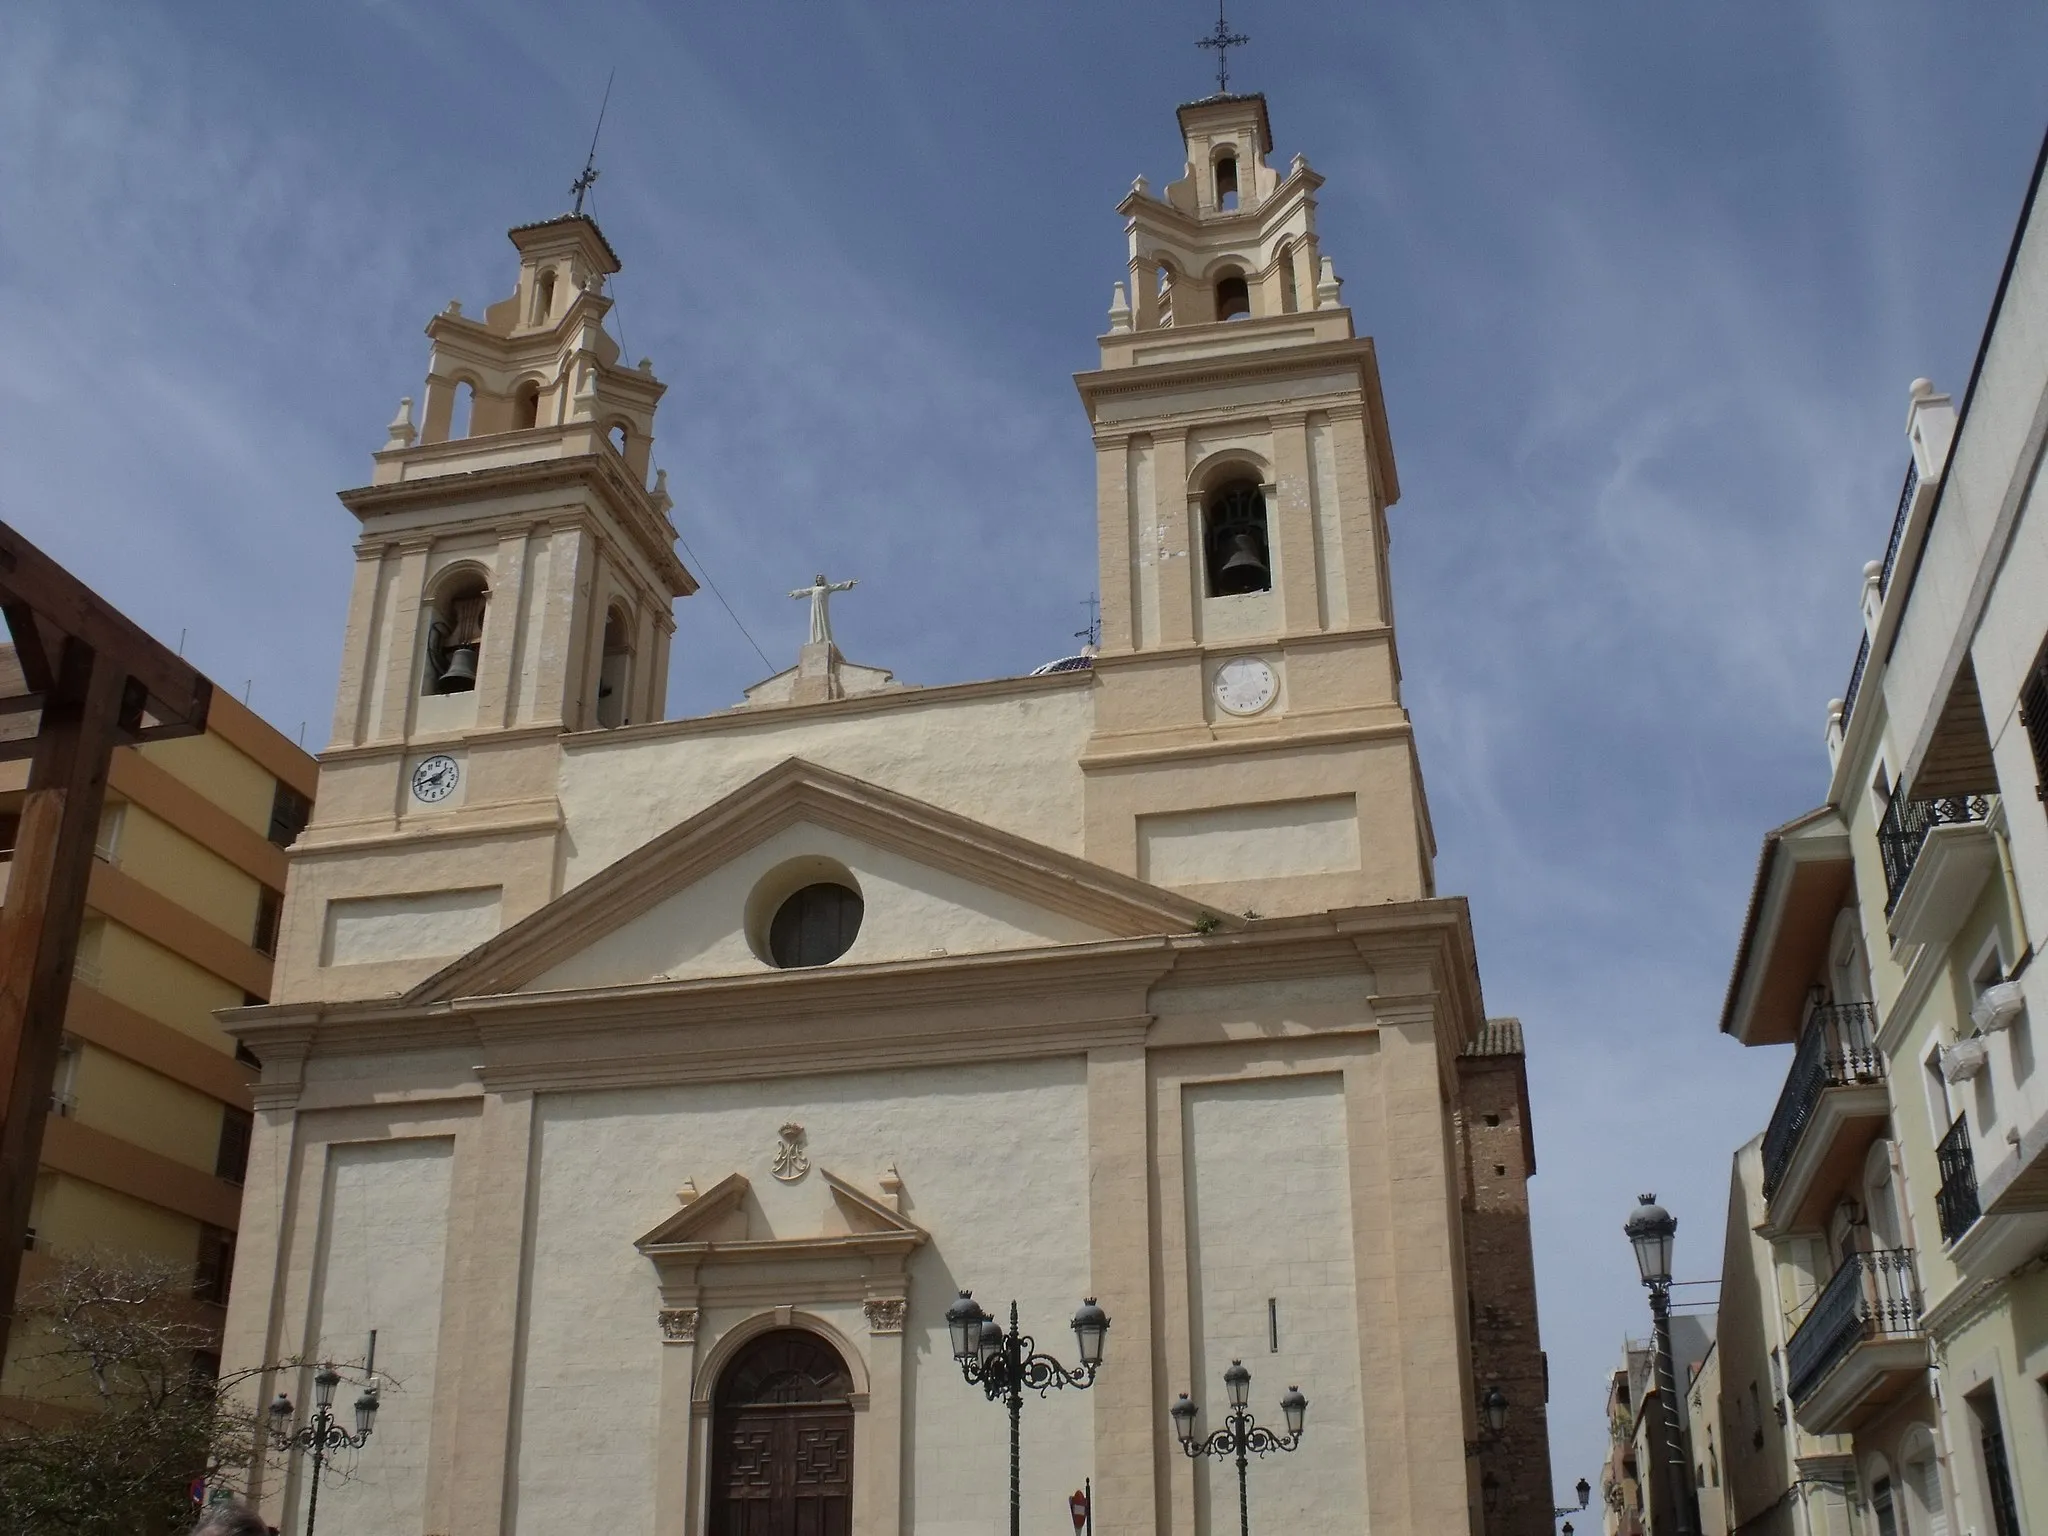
1244,569
459,676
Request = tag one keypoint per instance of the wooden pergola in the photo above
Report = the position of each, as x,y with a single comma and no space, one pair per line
99,682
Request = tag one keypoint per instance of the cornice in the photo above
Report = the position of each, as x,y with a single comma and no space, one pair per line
373,751
1190,650
912,696
1226,745
605,473
349,837
1144,378
1008,1005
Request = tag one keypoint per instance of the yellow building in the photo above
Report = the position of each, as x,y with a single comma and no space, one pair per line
147,1143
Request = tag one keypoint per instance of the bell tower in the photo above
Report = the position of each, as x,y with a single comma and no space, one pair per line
1250,745
515,579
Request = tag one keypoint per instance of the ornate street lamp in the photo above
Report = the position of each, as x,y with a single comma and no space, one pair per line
1650,1231
1493,1420
1585,1492
1240,1434
323,1434
1004,1364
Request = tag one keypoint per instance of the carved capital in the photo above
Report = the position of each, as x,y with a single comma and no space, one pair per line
885,1313
679,1325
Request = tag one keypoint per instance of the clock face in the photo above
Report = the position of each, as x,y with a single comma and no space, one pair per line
1245,685
435,778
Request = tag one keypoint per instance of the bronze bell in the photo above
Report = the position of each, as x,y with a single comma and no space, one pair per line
459,676
1244,568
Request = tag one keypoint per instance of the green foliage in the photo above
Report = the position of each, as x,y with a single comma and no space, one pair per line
1208,922
124,1425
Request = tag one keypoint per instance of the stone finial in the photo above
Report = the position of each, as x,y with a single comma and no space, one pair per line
646,365
1920,389
1329,290
687,1193
1119,309
1298,164
1140,185
400,432
892,1186
454,307
662,499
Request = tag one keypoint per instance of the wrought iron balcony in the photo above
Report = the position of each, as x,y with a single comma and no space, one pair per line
1836,1050
1955,1203
1884,582
1862,1331
1903,833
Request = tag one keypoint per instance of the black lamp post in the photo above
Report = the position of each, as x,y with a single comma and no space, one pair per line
1585,1492
1650,1231
1004,1364
1240,1434
323,1434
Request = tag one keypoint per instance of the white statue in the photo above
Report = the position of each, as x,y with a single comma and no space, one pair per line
820,593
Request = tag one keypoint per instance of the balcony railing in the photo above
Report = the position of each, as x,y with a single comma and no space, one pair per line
1837,1050
1884,583
1955,1203
1872,1296
1903,833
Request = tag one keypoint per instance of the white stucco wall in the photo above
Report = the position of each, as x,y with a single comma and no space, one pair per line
911,911
383,1237
995,1165
1269,1217
1011,760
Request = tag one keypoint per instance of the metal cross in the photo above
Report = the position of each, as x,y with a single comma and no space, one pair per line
588,179
1222,40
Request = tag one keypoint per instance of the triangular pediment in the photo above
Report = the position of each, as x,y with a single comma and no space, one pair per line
715,1222
678,906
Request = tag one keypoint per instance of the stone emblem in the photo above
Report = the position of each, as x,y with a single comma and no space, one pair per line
790,1162
885,1313
679,1325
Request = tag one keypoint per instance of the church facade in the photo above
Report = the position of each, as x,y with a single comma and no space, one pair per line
653,1087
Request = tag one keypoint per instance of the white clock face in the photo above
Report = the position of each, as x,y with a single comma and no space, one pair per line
1245,685
435,778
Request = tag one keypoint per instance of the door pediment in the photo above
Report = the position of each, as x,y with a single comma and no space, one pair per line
695,901
717,1224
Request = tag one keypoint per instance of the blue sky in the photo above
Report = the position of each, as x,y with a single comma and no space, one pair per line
1648,283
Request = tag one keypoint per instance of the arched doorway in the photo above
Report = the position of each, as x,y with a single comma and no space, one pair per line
782,1440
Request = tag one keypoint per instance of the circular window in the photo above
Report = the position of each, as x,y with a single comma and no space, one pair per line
815,926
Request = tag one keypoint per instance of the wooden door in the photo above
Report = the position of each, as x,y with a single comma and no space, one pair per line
782,1440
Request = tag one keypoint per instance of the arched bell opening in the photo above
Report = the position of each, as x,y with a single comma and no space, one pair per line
1233,296
544,297
1226,180
615,671
455,633
782,1439
1235,543
462,421
526,405
1290,298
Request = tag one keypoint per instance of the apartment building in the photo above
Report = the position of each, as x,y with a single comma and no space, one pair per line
1890,939
147,1144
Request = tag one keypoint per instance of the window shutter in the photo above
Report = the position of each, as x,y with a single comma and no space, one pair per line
2034,716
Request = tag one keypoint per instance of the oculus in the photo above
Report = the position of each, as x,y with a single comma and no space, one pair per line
814,926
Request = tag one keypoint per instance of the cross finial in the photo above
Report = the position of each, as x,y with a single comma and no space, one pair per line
582,184
1222,40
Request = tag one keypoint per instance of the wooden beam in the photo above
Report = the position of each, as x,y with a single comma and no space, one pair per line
31,580
60,816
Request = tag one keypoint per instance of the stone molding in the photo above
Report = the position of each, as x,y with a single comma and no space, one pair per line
796,792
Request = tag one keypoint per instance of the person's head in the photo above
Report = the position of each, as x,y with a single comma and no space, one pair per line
230,1520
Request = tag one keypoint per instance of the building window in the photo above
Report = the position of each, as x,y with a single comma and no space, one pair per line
1235,540
269,908
815,926
205,1366
2005,1515
64,1082
231,1158
289,813
216,1266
